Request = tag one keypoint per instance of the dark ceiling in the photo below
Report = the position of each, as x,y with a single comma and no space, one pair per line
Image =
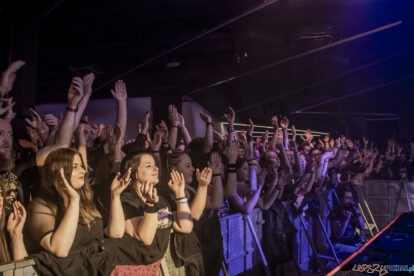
111,38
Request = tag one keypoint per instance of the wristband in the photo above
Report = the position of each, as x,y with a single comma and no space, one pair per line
155,151
182,201
249,138
231,170
151,209
180,198
209,123
230,129
174,126
216,174
70,109
231,166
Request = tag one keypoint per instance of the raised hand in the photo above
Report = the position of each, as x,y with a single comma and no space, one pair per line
181,121
7,102
10,114
28,145
251,128
119,183
51,121
274,122
87,83
204,177
173,115
145,123
36,122
232,151
119,92
156,142
164,132
365,140
293,133
215,162
149,192
75,92
308,136
205,117
230,116
16,219
284,123
177,184
70,192
7,77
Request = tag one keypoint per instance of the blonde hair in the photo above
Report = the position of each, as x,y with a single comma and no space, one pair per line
52,186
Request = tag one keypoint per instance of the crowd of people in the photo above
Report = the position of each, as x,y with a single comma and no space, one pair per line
97,204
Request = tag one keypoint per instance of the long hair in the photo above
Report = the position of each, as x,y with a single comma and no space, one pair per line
132,161
52,187
4,249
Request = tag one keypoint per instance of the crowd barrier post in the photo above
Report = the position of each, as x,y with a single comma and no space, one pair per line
259,247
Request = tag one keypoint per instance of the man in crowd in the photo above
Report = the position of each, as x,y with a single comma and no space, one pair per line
347,225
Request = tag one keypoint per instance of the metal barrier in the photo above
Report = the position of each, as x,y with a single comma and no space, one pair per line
19,268
387,198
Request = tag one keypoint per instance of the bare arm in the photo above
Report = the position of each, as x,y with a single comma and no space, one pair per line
184,131
199,202
15,225
183,222
60,241
120,95
116,225
230,188
174,120
215,198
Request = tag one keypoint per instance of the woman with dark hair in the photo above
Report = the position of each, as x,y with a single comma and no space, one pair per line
65,222
160,233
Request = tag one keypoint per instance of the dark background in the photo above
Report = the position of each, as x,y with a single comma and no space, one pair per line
60,39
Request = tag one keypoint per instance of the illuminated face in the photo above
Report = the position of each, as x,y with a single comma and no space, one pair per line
272,158
147,170
6,138
243,172
348,199
78,173
89,135
185,167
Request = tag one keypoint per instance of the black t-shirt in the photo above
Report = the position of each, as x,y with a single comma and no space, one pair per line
350,237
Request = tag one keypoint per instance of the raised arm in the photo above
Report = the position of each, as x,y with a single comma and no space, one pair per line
208,138
59,242
144,228
116,225
175,121
184,131
66,129
215,190
200,198
120,94
230,189
183,222
15,225
8,77
275,126
230,127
